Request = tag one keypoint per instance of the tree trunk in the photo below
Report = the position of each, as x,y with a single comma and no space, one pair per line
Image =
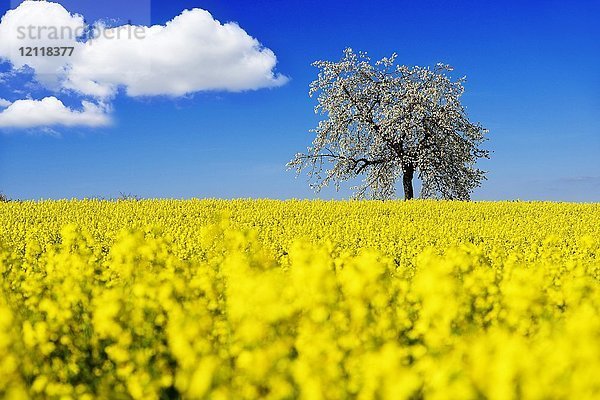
407,181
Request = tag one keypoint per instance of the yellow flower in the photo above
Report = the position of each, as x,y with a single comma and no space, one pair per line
311,300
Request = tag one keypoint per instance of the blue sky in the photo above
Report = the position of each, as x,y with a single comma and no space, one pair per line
533,71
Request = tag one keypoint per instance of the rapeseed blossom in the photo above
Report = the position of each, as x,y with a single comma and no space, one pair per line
299,300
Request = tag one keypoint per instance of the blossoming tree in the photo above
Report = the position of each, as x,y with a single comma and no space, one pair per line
385,122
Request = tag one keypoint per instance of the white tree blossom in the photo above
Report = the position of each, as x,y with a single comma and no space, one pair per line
385,122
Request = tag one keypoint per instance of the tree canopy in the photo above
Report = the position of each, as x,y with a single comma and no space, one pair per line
386,121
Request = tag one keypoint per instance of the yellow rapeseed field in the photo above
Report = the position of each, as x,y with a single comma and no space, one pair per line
247,299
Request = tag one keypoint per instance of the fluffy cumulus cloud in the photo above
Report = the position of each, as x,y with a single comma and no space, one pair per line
191,53
4,103
50,112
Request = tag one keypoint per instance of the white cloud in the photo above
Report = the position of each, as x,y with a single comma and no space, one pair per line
51,112
191,53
